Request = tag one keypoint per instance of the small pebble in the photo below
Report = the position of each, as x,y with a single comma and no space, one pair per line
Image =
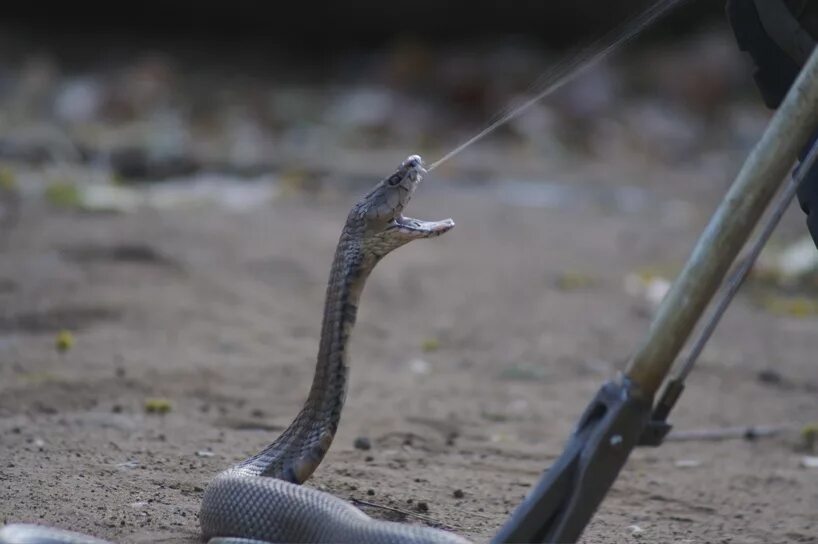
204,453
369,459
362,443
635,530
419,366
422,506
370,492
458,493
809,461
770,376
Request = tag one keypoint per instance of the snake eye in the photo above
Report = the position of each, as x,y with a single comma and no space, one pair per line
394,180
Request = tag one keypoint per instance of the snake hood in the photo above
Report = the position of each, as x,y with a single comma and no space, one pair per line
380,212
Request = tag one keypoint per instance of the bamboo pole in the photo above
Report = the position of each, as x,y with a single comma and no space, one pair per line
739,212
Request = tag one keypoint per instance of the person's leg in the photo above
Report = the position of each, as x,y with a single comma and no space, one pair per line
778,35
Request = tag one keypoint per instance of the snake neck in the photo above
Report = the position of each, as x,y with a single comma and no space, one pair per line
298,451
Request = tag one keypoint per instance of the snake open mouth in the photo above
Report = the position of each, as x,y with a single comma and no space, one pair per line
412,168
420,229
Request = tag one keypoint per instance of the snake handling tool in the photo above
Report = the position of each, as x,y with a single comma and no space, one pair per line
622,415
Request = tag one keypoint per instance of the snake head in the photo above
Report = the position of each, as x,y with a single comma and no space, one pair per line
386,228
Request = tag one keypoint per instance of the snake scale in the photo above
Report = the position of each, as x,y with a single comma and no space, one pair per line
260,500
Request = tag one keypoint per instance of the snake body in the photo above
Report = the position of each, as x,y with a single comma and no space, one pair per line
260,500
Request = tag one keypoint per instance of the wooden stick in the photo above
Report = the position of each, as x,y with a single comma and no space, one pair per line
748,433
407,513
739,212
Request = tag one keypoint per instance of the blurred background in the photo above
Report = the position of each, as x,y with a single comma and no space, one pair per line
167,91
173,179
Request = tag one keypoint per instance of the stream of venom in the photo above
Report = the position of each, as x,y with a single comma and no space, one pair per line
572,67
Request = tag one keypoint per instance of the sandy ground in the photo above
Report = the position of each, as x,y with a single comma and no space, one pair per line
470,364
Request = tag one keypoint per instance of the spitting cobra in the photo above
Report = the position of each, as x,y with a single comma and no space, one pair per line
261,500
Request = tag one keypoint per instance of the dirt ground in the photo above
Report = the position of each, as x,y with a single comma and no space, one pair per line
473,357
474,353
